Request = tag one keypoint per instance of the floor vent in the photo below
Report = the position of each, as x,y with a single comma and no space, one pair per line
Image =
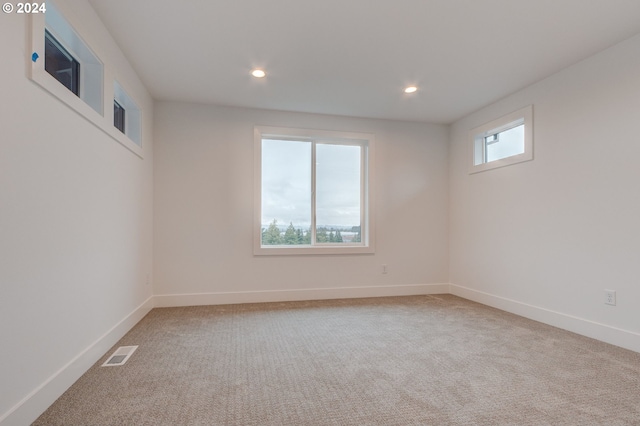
120,356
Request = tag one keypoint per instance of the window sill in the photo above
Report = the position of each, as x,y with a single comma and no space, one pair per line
309,250
515,159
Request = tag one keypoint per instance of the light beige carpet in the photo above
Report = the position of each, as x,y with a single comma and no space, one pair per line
426,360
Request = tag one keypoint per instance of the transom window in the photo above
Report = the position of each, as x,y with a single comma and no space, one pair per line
313,192
507,140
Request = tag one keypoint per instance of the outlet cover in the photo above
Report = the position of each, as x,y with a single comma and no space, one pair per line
610,297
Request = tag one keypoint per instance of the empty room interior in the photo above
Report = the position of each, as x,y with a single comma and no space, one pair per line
335,212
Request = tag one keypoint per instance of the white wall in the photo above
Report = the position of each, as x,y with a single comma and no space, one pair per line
75,227
546,237
203,206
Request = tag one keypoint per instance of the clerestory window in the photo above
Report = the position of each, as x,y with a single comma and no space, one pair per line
502,142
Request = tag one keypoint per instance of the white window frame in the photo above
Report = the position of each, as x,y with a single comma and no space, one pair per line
98,108
477,138
367,230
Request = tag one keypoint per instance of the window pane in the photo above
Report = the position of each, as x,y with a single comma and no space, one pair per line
60,64
338,193
505,144
286,192
118,116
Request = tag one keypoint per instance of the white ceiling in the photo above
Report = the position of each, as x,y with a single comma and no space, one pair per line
353,57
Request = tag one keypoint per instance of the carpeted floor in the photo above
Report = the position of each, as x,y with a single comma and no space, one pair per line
425,360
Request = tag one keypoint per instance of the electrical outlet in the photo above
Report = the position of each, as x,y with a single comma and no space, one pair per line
384,269
610,297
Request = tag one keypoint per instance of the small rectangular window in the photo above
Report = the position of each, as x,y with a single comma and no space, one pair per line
69,60
507,140
118,116
61,64
126,114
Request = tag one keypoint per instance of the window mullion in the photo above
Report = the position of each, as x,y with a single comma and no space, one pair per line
313,193
363,193
484,150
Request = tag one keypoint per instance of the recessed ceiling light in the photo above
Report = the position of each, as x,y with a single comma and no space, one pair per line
258,73
410,89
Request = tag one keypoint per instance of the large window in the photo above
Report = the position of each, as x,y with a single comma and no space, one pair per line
313,192
507,140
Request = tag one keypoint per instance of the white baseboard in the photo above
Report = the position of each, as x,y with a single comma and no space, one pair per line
31,406
612,335
173,300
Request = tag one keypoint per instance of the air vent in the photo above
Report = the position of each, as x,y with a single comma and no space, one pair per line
120,356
